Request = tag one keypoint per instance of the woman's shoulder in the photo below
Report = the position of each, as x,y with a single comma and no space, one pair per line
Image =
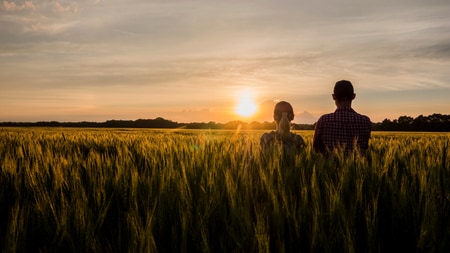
268,136
298,138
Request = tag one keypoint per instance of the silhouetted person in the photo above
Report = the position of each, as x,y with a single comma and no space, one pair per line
344,128
283,115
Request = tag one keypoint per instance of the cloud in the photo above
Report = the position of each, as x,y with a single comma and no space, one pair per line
42,8
58,7
305,118
13,7
199,52
34,20
438,51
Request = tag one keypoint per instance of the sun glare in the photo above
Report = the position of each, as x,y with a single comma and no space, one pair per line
246,107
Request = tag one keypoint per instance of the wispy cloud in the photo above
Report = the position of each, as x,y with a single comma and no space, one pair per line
14,7
59,7
200,52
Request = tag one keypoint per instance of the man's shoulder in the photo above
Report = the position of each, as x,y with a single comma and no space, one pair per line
327,116
332,115
363,117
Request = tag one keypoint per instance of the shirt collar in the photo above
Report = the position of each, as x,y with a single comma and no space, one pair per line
344,109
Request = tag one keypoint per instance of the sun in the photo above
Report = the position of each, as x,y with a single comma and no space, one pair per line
246,107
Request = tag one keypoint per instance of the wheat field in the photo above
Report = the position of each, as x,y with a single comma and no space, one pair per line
141,190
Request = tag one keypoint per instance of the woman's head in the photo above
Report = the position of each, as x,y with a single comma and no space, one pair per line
281,107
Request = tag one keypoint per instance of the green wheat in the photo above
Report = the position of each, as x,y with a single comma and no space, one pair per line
126,190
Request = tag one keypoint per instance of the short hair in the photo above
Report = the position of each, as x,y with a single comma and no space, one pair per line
281,107
343,90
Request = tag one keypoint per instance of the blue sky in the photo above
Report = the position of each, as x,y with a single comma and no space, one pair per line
189,61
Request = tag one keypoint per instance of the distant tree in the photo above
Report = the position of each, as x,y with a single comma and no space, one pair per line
303,126
386,125
435,122
405,122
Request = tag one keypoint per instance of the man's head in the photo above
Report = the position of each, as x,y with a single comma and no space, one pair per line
281,107
343,91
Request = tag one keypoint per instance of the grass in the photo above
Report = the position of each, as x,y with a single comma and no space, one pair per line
125,190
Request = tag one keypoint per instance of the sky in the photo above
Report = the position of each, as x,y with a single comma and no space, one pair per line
196,60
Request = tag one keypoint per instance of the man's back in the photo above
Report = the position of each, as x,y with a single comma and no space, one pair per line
342,128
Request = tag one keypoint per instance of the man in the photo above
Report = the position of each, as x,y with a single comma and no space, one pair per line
344,128
283,115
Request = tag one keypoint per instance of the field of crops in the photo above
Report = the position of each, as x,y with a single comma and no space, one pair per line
127,190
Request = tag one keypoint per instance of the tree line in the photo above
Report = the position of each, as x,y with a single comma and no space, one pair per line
432,123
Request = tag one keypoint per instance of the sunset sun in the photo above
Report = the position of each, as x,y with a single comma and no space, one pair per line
246,107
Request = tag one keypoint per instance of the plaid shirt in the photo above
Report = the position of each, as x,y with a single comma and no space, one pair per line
343,128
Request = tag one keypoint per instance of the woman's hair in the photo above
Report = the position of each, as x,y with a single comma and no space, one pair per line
281,107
